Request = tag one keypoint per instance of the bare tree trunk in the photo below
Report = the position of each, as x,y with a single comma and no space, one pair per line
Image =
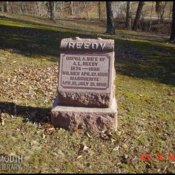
6,7
52,10
162,11
170,11
99,9
128,15
138,14
158,7
72,7
150,20
85,7
110,21
61,7
172,38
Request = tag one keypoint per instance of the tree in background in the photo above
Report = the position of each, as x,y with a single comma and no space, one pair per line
4,6
138,15
72,7
150,18
160,9
110,21
172,37
128,15
86,9
99,10
51,8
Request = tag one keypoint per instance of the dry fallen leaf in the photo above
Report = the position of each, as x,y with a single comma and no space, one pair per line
125,146
2,115
116,148
83,147
2,123
49,129
79,157
88,135
106,135
43,136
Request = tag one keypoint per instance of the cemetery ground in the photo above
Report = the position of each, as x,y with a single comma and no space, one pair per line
145,91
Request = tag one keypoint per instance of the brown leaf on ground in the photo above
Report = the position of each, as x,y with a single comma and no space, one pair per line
2,119
48,128
83,147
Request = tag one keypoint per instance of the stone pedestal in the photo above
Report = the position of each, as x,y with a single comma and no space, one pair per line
86,89
85,119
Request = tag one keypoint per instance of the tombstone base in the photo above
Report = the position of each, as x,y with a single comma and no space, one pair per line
85,119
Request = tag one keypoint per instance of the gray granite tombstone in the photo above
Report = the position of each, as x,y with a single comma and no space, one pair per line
86,89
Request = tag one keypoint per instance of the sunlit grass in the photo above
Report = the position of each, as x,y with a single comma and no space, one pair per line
144,91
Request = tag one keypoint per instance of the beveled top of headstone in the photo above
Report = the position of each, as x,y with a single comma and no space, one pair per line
86,44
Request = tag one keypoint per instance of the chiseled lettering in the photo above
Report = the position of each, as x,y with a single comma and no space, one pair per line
102,45
71,45
94,46
87,45
79,45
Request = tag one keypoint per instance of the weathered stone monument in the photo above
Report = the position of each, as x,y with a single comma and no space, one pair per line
86,90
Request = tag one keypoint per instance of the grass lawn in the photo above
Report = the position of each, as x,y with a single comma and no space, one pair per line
145,91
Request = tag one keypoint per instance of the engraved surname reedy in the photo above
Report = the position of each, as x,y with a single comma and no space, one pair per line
86,45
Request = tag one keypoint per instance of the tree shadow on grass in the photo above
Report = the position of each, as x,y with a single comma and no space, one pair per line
158,63
146,37
162,72
146,61
33,114
30,41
